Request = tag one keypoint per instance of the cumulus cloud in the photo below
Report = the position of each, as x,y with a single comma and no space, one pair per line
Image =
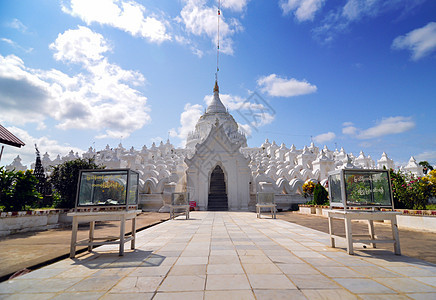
102,97
304,10
188,119
80,45
125,15
349,128
421,42
246,129
324,137
27,152
387,126
276,86
200,19
235,5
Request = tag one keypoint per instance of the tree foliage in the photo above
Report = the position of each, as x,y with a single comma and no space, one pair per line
320,195
411,192
64,179
18,190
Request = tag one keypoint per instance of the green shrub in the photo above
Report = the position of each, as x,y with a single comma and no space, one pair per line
64,178
410,192
18,190
320,195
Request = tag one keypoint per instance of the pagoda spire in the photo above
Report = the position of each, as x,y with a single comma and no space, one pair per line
216,106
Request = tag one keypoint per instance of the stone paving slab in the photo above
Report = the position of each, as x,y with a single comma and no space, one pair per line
239,257
28,249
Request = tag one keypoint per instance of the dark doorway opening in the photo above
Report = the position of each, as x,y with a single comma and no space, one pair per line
217,191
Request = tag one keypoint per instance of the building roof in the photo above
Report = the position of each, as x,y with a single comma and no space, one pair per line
6,137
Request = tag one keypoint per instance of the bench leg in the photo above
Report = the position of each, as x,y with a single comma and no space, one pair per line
132,243
73,238
91,235
349,236
371,232
122,232
395,236
332,239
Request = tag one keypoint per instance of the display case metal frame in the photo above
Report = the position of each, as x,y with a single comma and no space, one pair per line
344,197
128,186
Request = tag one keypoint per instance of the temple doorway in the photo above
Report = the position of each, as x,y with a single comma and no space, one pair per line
217,200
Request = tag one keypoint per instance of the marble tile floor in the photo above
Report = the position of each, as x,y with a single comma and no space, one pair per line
229,255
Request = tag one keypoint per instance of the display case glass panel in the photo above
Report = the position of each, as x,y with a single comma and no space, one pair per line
265,198
364,188
179,199
335,188
107,188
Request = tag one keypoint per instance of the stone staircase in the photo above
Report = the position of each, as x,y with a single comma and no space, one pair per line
217,193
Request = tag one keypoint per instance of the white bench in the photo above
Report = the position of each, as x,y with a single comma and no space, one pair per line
370,216
92,217
179,202
265,200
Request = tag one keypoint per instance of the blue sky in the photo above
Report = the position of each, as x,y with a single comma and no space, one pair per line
358,74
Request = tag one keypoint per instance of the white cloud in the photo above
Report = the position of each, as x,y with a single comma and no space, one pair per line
261,119
304,10
80,45
125,15
429,156
387,126
16,24
283,87
339,20
188,119
324,137
349,129
235,5
246,129
421,42
200,19
27,152
15,45
101,98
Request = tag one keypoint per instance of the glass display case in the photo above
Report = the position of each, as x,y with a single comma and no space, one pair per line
360,188
103,188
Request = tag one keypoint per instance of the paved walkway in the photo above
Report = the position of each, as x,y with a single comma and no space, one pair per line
229,255
29,249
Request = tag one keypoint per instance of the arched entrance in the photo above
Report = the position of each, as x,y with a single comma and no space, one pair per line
217,191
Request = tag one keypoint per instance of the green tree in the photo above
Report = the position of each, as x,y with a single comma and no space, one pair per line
320,195
64,179
18,190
